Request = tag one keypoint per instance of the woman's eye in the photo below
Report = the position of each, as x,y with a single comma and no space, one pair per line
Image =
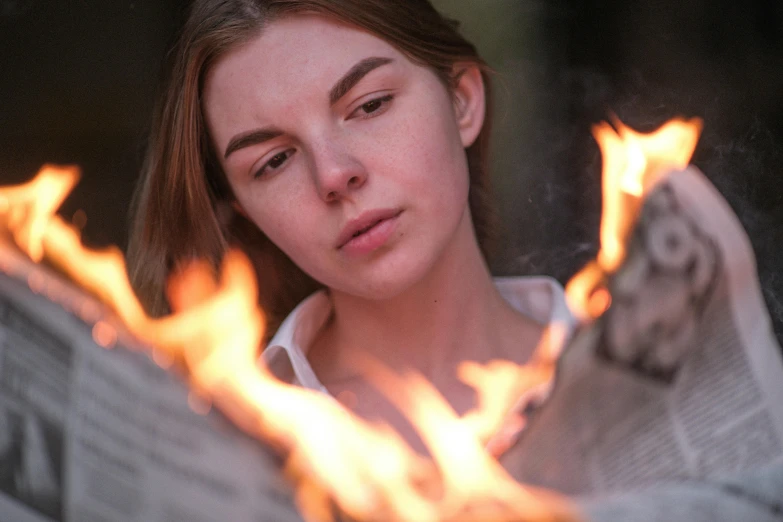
273,164
373,107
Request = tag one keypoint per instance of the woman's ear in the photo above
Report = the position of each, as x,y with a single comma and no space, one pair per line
238,208
469,102
227,212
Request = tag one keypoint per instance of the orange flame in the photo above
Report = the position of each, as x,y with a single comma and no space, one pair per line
364,468
28,209
633,163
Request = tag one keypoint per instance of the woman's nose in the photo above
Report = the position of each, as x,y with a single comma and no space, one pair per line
337,172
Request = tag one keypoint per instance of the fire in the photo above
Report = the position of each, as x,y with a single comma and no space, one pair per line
26,210
365,468
633,163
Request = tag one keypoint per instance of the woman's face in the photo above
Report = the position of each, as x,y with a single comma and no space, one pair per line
347,155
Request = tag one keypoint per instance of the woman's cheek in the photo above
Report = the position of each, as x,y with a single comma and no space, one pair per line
294,230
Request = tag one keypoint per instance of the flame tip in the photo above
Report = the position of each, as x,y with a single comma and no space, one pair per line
633,163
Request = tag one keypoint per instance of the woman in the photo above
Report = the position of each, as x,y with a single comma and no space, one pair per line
356,142
343,144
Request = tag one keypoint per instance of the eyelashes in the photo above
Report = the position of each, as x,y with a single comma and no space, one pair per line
277,162
374,107
367,110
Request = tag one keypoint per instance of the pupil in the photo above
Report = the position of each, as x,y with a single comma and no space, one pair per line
371,106
277,160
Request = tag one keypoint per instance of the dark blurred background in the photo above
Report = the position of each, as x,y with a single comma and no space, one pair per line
79,77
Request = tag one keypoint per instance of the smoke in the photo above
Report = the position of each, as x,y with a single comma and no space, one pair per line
741,152
10,9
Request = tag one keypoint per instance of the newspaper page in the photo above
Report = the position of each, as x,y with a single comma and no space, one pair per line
681,379
89,434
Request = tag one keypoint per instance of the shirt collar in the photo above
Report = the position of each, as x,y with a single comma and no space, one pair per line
540,298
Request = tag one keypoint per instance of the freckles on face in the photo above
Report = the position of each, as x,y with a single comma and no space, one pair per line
304,166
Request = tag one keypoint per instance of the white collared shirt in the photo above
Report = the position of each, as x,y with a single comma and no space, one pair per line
540,298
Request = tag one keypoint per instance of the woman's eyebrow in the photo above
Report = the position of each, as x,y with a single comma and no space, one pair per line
340,89
354,76
246,139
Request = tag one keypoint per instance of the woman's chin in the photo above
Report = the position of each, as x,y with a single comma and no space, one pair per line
383,282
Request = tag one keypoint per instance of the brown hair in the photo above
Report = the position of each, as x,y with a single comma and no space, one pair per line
182,206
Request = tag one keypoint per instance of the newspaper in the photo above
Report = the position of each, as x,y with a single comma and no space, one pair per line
680,380
89,434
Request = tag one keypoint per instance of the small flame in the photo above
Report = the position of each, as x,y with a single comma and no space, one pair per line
502,385
474,486
365,468
633,163
28,209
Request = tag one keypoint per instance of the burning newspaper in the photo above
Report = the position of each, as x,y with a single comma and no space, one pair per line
90,434
679,379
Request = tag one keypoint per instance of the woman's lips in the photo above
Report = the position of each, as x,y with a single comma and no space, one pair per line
368,233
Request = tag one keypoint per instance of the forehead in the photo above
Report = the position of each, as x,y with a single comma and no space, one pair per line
293,55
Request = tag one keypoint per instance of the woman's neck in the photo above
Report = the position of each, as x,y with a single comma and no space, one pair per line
454,314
